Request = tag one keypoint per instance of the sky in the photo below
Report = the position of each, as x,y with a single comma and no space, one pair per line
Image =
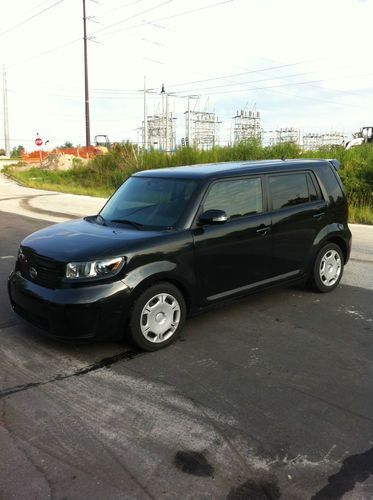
301,64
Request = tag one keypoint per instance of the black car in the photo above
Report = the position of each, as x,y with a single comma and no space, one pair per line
172,241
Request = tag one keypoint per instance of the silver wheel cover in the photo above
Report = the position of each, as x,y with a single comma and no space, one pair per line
330,268
160,318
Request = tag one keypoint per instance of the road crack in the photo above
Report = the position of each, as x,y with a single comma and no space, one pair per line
98,365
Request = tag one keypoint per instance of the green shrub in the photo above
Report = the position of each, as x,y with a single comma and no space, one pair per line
104,173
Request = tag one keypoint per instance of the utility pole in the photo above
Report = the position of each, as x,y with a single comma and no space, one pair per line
188,115
188,129
145,119
87,122
6,120
161,129
167,140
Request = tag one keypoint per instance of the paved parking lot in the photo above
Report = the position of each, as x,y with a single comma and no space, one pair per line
265,398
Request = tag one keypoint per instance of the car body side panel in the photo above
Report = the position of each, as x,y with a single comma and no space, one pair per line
233,254
293,232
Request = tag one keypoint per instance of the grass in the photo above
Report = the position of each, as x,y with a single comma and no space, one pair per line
103,174
360,214
72,181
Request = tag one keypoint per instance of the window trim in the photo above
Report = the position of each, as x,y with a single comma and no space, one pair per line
315,182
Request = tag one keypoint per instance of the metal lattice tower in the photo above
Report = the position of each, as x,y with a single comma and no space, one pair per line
161,132
202,128
160,127
247,125
312,141
287,135
333,139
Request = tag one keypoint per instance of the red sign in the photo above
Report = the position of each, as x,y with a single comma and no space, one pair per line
38,141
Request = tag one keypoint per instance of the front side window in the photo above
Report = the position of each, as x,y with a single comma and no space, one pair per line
150,201
288,190
236,197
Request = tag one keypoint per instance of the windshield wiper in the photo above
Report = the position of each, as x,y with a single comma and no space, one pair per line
137,225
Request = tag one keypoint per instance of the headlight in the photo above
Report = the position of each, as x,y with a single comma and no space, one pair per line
96,269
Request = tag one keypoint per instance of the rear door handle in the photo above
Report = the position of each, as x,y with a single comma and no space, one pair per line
319,215
263,230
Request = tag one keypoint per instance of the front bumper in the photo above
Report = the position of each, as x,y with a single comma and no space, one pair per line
90,312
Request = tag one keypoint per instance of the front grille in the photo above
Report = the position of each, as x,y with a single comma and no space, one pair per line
40,270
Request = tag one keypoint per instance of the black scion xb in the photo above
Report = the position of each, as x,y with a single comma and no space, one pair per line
172,241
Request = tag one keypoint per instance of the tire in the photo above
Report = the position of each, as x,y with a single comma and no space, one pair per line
328,268
157,317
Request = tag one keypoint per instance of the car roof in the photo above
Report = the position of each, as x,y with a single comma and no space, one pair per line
226,169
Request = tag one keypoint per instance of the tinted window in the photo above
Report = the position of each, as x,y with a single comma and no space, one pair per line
329,180
236,198
150,201
288,190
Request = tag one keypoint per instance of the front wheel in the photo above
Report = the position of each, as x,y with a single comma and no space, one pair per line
328,268
157,317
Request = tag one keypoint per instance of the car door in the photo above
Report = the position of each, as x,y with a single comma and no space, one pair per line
232,256
298,215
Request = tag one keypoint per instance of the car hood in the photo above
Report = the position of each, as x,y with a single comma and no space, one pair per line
81,240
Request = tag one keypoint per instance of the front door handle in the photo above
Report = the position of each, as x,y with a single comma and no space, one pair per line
319,215
263,230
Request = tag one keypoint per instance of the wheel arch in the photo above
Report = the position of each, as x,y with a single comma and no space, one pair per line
158,278
337,240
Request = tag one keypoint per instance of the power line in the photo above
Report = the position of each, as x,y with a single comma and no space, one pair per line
32,9
123,6
134,15
44,53
159,19
194,10
233,75
30,18
269,88
234,84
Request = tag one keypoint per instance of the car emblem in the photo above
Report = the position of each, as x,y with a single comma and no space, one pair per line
33,272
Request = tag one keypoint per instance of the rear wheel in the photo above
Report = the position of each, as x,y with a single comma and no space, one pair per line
157,317
328,268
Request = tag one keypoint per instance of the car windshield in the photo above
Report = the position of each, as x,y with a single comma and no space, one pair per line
149,201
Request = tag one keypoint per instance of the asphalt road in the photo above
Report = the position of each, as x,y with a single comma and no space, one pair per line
266,398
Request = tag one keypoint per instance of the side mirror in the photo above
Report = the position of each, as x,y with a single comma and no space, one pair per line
213,217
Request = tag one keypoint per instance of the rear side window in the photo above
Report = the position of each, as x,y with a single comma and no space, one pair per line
236,197
288,190
329,180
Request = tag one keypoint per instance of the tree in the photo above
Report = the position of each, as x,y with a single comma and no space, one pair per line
2,152
67,144
17,151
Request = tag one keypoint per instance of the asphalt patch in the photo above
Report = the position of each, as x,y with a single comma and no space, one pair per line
194,463
355,469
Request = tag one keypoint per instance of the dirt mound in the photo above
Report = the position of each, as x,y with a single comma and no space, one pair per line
58,161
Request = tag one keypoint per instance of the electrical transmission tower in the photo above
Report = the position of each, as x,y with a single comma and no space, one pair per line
312,141
333,139
158,130
287,135
247,126
202,127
